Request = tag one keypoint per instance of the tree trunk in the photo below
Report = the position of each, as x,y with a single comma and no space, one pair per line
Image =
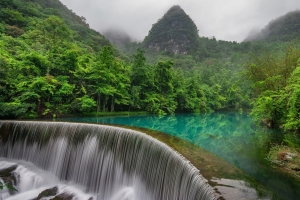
38,107
104,103
98,103
112,106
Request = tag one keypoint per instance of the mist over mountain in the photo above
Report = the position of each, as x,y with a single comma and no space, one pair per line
175,32
284,28
117,36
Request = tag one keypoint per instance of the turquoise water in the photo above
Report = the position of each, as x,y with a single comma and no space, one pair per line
231,136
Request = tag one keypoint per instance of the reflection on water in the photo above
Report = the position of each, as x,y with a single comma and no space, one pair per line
229,135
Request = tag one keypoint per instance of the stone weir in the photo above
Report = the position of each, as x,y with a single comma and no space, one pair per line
107,163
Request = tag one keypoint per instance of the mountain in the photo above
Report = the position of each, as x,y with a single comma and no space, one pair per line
175,32
284,28
18,16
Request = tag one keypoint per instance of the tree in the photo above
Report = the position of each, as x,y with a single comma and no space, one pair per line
163,85
278,95
293,104
12,17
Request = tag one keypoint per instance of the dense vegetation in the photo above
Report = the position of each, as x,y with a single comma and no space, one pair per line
53,64
44,48
276,82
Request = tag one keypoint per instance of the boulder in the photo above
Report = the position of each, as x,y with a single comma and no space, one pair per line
47,193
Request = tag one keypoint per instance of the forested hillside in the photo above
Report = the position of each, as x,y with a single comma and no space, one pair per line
46,52
51,63
18,16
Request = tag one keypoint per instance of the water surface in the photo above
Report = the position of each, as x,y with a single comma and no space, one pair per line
232,136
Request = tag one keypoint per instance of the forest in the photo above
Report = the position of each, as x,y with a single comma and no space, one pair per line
53,65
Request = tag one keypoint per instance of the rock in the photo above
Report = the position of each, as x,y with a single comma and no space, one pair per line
46,193
287,157
54,192
291,154
268,122
63,196
296,169
8,176
281,155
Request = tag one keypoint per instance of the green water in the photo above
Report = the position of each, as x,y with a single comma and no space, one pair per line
231,136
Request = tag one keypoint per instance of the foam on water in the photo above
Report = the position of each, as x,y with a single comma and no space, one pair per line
31,181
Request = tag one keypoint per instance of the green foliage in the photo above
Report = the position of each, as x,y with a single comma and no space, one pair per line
270,105
17,110
52,63
277,83
293,105
7,185
12,17
86,103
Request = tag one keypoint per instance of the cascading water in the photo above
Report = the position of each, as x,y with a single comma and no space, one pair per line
107,163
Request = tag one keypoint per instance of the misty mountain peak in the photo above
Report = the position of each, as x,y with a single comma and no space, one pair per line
284,28
175,10
175,32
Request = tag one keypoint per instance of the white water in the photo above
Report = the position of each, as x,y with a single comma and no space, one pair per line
107,163
31,181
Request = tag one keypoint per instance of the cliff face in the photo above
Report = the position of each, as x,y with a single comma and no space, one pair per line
174,32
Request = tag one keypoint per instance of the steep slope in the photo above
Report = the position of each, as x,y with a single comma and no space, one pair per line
17,16
284,28
174,32
52,63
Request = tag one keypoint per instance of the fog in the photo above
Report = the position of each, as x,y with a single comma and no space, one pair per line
229,20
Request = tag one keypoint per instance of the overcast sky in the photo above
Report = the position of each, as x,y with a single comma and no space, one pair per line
229,20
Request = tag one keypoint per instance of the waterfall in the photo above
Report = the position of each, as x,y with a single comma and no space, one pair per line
107,162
